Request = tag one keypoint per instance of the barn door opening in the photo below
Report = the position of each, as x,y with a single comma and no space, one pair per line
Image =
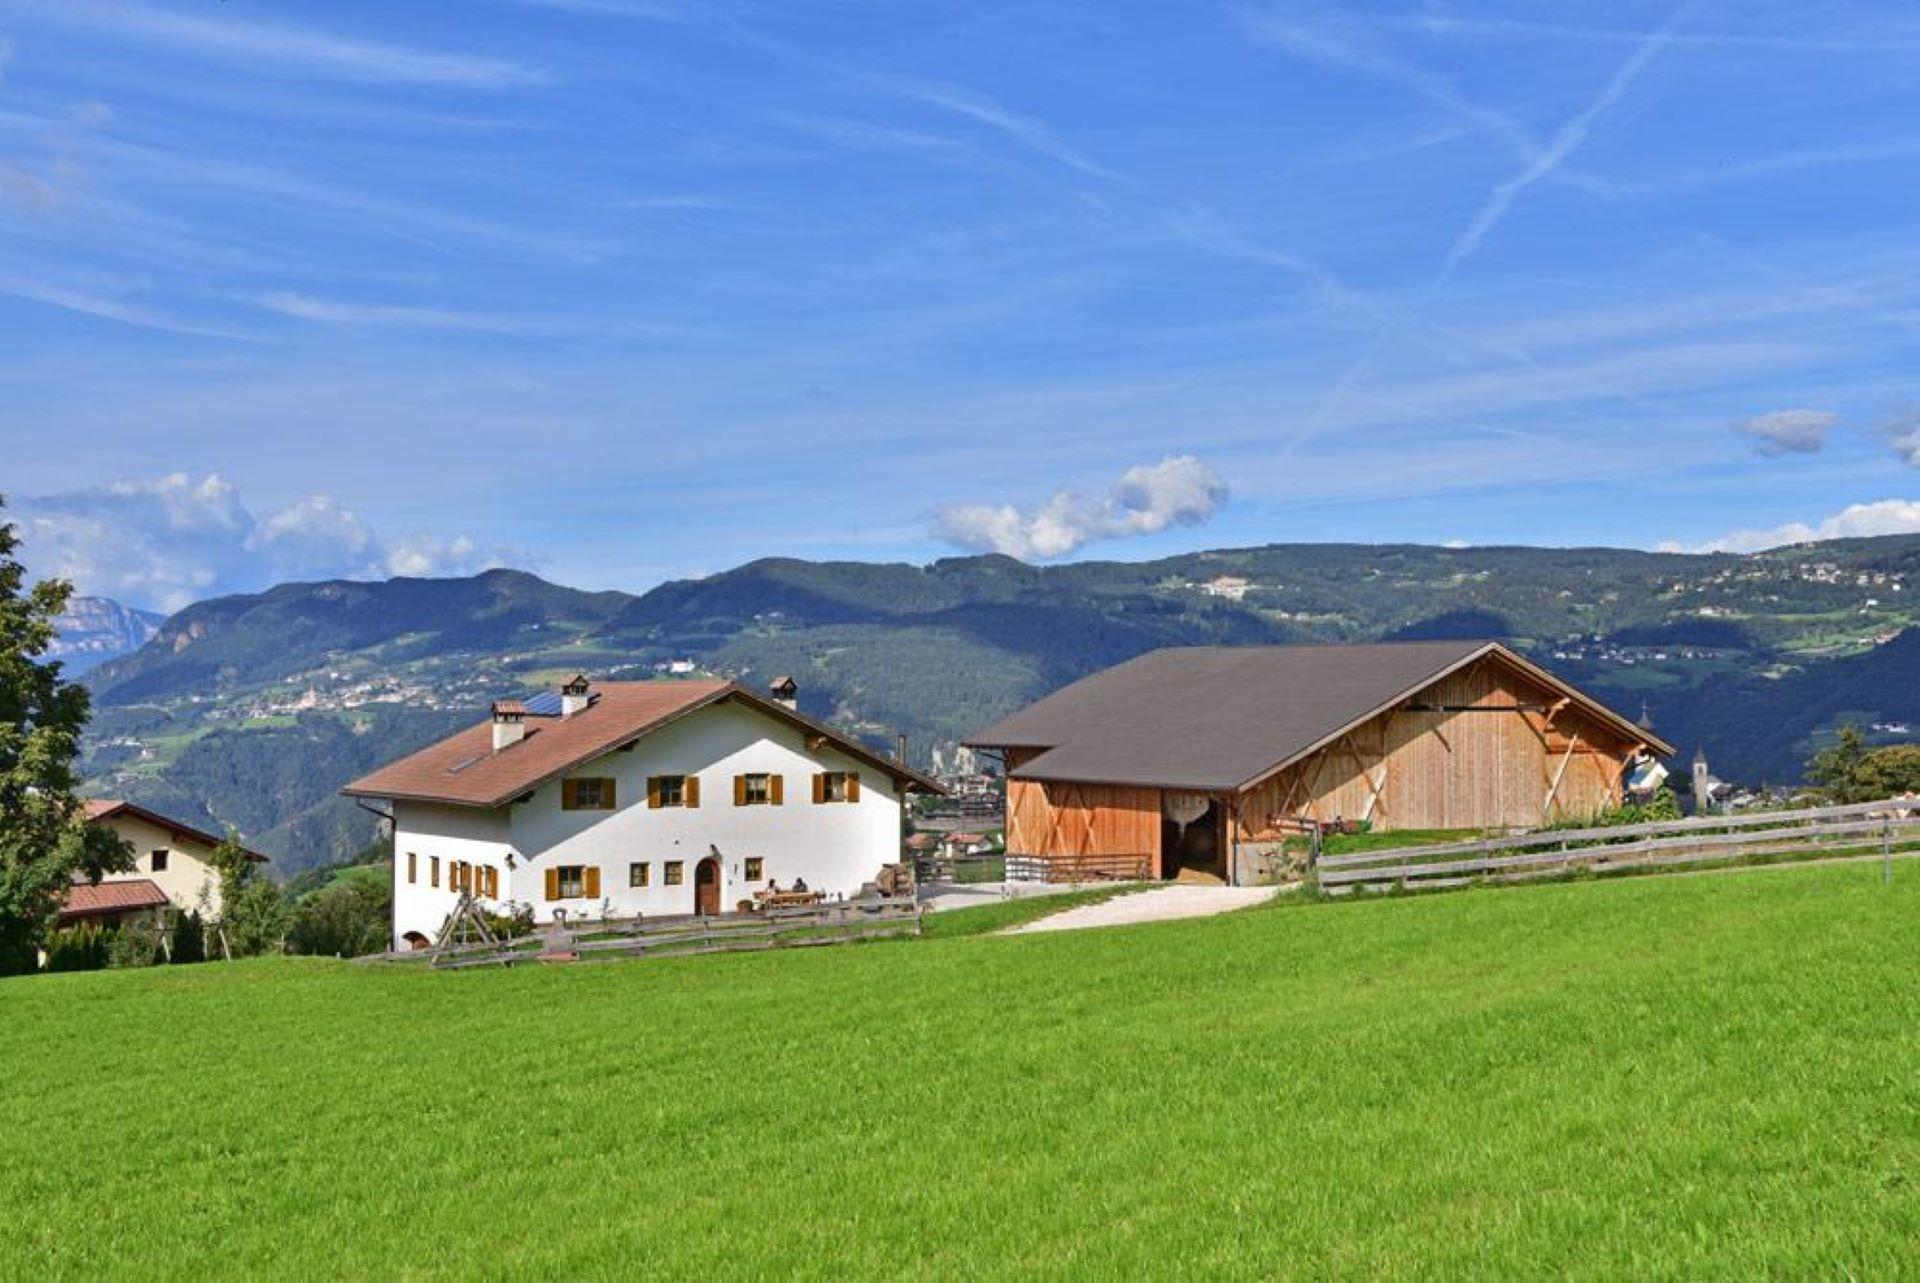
1197,850
706,886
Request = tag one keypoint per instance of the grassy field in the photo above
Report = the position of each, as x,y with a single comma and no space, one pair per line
1680,1077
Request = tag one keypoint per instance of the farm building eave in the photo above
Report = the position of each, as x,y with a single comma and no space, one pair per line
1222,719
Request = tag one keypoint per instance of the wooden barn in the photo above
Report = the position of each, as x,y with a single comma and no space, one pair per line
1199,761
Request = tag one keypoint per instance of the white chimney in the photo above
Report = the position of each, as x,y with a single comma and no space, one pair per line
785,690
509,723
575,694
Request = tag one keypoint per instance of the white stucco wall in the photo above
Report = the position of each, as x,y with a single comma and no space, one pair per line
189,872
835,846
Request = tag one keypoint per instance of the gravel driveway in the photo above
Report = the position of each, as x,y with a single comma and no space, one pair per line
1160,904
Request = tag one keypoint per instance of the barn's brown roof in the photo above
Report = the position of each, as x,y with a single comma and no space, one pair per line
107,808
466,770
1218,718
86,900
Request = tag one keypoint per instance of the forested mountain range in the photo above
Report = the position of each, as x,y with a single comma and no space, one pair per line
253,710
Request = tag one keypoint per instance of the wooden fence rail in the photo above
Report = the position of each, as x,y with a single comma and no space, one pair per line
792,927
1862,828
1079,868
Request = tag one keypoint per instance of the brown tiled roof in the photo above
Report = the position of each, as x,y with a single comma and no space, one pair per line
1220,717
465,770
85,900
106,808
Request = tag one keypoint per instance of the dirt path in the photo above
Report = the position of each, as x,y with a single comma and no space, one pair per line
1160,904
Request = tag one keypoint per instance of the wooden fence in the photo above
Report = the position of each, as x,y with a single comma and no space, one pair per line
1866,828
1079,868
798,927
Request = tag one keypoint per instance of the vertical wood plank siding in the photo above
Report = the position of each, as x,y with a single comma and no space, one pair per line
1414,769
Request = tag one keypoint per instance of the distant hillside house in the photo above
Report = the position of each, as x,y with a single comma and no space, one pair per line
656,798
1201,759
173,868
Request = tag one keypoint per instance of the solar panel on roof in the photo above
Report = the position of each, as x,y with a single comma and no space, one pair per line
545,704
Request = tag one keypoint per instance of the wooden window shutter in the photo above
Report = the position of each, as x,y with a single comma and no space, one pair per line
776,789
569,798
690,791
853,786
819,787
653,792
739,790
553,884
593,882
608,791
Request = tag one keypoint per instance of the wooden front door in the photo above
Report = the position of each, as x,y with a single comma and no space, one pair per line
706,886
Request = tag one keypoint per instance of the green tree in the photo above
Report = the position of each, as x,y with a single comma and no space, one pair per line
253,912
189,938
1839,771
44,837
1892,771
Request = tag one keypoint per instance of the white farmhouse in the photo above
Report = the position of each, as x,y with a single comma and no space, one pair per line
656,798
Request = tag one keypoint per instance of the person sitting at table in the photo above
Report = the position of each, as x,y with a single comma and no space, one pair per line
799,884
773,886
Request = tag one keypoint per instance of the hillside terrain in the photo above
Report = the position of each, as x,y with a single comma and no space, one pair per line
253,710
1688,1077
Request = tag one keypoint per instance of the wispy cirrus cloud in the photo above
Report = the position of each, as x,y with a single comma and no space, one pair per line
1565,141
306,307
1344,44
1029,132
89,303
234,40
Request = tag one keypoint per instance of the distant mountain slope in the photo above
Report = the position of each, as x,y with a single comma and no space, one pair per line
97,629
253,710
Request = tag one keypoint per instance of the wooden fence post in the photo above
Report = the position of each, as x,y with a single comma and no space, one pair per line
1886,852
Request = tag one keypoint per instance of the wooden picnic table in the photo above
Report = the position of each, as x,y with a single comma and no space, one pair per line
786,899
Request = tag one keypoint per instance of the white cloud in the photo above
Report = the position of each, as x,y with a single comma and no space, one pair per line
168,542
1858,521
1177,491
1905,430
1789,431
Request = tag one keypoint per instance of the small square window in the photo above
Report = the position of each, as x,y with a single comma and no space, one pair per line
673,790
676,872
572,880
756,790
756,868
589,793
159,859
639,874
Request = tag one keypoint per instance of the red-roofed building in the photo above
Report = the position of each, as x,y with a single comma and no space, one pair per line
173,867
654,798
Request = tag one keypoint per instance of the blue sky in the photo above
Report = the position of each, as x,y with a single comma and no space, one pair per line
633,289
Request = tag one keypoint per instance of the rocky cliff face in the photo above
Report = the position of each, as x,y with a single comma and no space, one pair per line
95,629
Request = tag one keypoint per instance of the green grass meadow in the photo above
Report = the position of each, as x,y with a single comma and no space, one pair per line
1674,1077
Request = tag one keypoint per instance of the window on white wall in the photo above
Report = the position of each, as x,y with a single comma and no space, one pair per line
159,860
639,874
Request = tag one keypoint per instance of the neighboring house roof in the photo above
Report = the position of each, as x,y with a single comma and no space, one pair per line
1216,718
88,900
100,809
466,770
